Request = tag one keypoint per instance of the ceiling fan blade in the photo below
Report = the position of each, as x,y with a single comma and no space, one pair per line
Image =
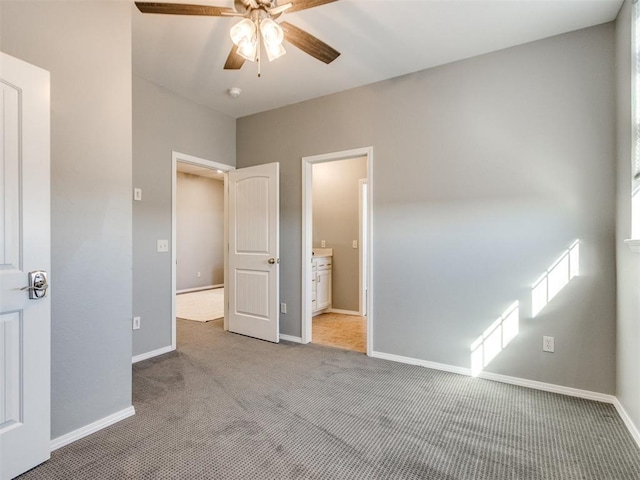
240,6
279,9
308,43
234,61
304,4
183,9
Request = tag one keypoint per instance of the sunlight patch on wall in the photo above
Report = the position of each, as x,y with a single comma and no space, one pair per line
495,338
555,278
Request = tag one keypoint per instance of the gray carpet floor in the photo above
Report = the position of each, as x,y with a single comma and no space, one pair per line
229,407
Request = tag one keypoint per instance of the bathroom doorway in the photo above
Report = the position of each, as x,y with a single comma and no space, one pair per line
336,250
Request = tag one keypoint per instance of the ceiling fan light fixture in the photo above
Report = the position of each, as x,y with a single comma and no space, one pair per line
271,32
274,52
257,27
248,50
273,36
243,31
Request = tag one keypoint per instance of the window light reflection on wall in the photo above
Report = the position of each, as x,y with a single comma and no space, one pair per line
555,278
495,338
501,332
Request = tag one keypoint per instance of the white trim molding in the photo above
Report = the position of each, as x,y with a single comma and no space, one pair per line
199,289
549,387
153,353
344,312
633,430
290,338
522,382
633,244
421,363
82,432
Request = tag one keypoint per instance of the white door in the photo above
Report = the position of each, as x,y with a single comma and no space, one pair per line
253,251
25,359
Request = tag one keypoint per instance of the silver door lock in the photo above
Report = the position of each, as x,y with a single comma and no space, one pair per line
38,284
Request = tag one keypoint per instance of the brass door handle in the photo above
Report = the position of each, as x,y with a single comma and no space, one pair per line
273,260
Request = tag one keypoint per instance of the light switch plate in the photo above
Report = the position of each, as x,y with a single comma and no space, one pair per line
163,245
355,244
137,194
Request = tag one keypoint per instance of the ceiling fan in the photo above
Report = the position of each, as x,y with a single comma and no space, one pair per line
258,27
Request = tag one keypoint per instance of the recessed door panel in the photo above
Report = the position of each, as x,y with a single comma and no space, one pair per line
255,305
10,367
252,215
9,177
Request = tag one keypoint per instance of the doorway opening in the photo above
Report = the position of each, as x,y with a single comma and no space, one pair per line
199,238
336,249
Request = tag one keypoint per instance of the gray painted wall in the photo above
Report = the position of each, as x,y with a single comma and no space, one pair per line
164,122
200,232
336,219
628,331
484,171
87,48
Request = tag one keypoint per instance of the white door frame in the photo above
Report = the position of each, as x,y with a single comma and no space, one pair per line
307,235
363,187
201,162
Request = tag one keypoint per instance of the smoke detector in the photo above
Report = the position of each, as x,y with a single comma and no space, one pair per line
234,92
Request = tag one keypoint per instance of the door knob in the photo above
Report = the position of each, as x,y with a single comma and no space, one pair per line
38,284
273,260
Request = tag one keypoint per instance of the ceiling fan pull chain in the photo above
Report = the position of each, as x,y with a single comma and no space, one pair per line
258,39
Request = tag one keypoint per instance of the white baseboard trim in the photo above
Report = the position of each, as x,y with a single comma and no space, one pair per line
344,312
82,432
633,430
197,289
522,382
549,387
290,338
421,363
152,353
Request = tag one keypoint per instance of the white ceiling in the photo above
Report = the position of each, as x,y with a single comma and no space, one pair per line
378,39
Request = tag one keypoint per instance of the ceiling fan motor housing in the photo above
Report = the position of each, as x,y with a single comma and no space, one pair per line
243,6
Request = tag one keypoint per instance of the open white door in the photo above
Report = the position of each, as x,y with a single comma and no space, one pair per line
25,314
254,251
